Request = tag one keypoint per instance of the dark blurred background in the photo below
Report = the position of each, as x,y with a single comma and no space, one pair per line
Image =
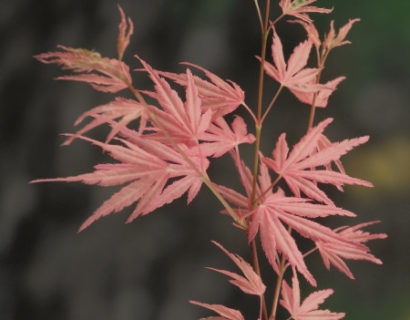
149,269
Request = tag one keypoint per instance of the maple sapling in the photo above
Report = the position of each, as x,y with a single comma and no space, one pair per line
162,145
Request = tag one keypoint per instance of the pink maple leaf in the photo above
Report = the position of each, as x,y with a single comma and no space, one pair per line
308,309
218,95
103,74
321,97
126,109
184,121
333,253
333,40
301,8
225,312
125,31
268,219
145,173
299,167
221,138
251,283
293,74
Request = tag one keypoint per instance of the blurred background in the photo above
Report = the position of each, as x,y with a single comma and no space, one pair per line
149,269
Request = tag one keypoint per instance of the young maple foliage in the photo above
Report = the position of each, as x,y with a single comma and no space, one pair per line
251,283
103,74
162,150
300,9
296,167
146,174
308,309
301,81
219,96
128,110
224,312
332,253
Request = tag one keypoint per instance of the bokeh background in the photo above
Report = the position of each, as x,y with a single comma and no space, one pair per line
151,268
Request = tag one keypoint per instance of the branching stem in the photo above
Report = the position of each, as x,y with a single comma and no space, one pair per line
282,270
272,103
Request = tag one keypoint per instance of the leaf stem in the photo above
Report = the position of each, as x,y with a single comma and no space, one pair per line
269,188
255,260
282,270
259,14
304,255
320,63
258,125
250,111
272,103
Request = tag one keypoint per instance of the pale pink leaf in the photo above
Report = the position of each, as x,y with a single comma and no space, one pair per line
225,312
251,283
308,310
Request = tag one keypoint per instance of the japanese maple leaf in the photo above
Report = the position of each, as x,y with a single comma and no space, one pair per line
185,121
334,254
126,109
251,283
125,31
319,98
225,312
293,74
268,219
301,8
333,40
299,167
308,309
103,74
221,138
145,175
218,95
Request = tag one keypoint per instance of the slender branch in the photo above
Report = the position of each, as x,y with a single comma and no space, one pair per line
269,188
259,14
255,261
272,103
277,288
308,253
260,95
250,111
277,19
320,63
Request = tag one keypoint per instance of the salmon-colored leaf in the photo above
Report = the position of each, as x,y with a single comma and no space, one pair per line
251,283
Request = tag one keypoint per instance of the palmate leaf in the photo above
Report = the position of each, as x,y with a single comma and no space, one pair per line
277,209
126,109
293,75
251,283
334,254
299,167
220,138
333,40
145,174
218,95
301,8
308,309
125,31
321,97
103,74
186,121
225,312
